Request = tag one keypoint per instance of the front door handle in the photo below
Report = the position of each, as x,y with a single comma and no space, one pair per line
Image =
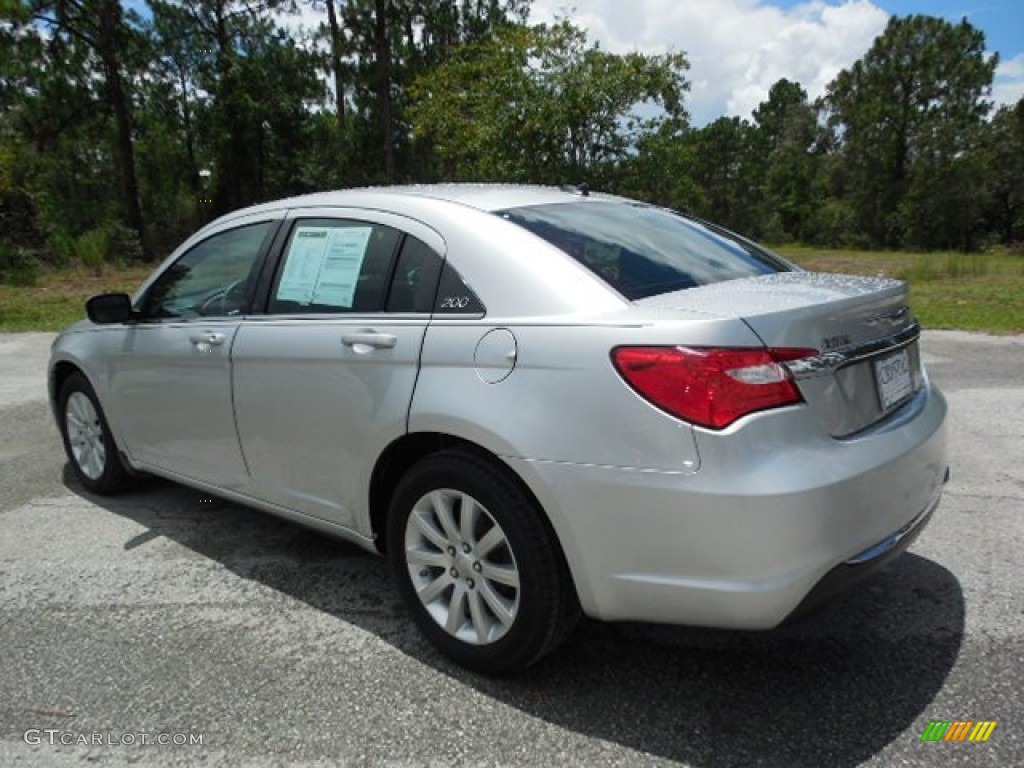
370,339
207,338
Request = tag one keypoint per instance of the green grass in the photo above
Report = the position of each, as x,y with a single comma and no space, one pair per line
975,292
57,297
968,291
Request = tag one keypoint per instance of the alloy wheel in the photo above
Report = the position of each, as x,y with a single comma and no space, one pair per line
85,435
461,565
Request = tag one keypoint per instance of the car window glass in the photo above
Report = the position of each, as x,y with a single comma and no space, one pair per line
414,284
641,250
215,278
423,282
454,296
333,265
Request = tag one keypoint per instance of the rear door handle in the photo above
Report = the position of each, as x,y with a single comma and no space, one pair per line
369,339
207,338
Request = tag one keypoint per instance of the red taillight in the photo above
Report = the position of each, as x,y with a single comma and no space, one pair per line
710,387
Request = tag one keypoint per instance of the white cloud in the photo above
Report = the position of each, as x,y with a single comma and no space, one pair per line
737,48
1009,86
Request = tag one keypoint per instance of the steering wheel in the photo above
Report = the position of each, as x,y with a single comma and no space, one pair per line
217,304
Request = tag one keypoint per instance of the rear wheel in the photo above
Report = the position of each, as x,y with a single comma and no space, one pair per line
87,438
477,565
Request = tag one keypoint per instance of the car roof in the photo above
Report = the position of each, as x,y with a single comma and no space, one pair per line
483,197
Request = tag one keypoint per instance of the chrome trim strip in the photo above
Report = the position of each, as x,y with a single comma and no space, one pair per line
828,362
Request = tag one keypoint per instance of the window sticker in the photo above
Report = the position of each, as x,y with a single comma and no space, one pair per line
303,264
323,265
346,249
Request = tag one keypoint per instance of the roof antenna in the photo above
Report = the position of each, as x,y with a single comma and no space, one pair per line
578,189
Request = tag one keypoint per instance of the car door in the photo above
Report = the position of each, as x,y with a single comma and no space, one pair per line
323,381
172,381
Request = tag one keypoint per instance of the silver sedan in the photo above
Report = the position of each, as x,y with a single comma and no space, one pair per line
537,403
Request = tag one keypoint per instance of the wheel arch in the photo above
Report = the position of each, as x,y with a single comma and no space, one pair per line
117,474
63,369
60,372
410,448
395,460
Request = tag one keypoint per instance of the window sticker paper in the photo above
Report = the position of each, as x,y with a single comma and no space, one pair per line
323,265
303,265
346,250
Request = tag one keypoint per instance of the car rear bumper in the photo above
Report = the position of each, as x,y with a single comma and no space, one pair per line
863,564
773,521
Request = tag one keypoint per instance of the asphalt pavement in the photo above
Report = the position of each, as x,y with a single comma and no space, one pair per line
166,615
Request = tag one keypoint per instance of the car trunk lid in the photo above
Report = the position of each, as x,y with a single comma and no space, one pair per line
868,363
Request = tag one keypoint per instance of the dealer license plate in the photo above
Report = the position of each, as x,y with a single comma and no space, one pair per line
893,378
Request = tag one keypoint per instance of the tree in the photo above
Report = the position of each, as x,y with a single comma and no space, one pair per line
903,115
662,169
339,49
540,104
730,179
784,144
252,86
1002,168
389,44
109,38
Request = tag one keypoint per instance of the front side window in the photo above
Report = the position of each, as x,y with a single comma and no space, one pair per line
333,265
640,250
216,278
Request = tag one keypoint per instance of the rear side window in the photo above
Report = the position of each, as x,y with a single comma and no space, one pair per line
415,282
333,265
640,250
424,283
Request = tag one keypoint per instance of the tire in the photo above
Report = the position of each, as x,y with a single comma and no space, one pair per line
495,595
88,441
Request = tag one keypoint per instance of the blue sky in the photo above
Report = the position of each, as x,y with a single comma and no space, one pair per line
1002,20
739,48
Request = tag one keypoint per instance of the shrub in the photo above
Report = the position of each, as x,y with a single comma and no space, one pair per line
93,248
18,266
125,245
62,246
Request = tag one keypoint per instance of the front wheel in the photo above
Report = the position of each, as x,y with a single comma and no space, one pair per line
477,565
87,438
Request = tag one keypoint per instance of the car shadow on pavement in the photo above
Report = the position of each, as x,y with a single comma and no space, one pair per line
833,689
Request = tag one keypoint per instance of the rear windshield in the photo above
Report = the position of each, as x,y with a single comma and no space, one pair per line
643,251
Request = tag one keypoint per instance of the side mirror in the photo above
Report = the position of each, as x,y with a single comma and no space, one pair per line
110,308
